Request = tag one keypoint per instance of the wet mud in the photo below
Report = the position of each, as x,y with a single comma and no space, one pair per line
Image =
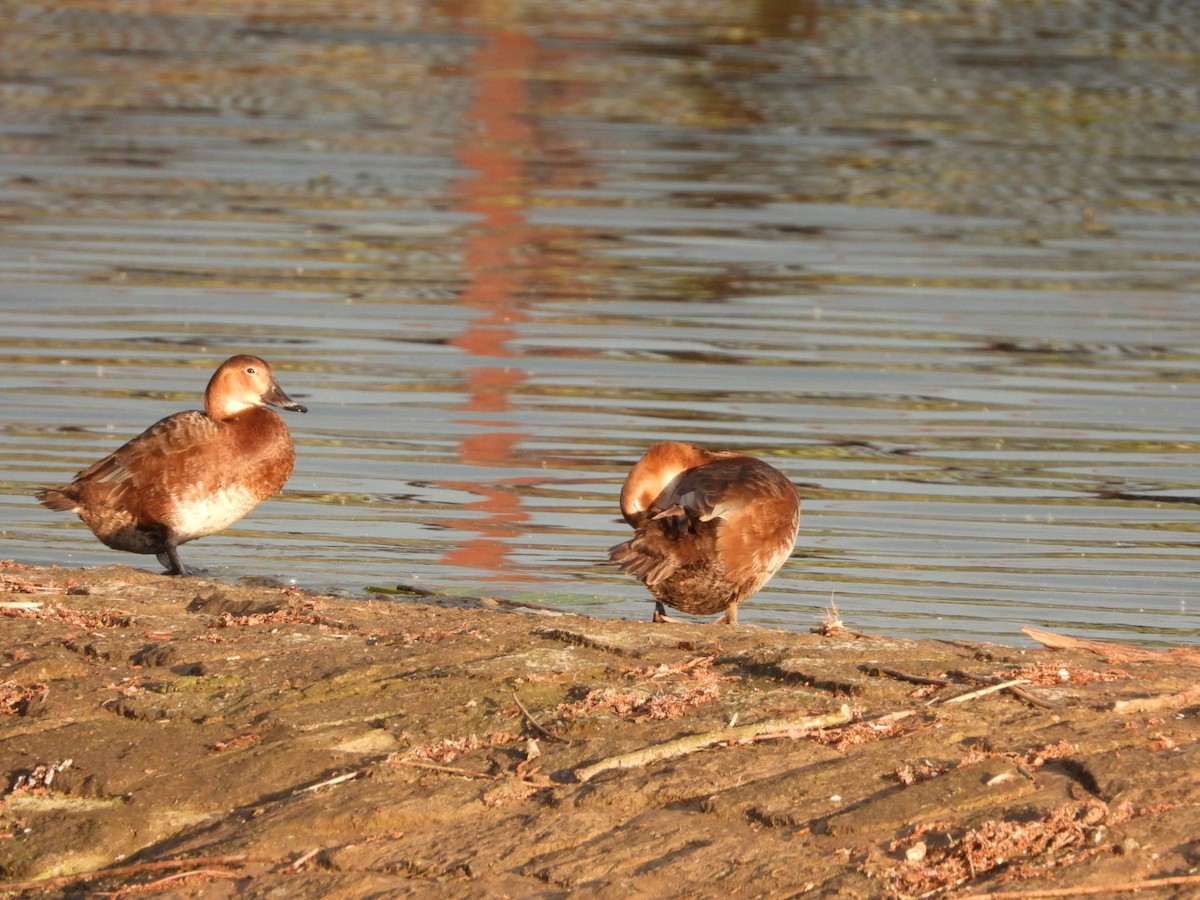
214,740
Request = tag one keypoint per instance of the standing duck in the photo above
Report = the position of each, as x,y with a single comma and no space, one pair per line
191,474
709,527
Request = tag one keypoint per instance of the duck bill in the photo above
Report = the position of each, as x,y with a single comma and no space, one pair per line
276,397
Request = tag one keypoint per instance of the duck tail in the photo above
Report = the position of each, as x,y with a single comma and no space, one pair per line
637,559
56,498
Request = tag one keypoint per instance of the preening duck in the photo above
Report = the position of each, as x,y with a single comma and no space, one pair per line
710,527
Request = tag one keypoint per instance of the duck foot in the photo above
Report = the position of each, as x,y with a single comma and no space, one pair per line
660,615
169,558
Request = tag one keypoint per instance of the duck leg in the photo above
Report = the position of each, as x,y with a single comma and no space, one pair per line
660,615
170,560
730,617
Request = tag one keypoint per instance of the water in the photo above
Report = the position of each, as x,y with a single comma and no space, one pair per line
937,262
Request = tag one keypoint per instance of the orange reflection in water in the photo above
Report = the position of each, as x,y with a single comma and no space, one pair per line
491,257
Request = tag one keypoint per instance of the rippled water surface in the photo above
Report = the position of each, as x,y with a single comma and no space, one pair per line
938,262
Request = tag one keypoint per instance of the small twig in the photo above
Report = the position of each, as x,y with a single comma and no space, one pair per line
162,882
538,727
964,675
16,585
329,782
983,691
903,676
1125,887
884,721
449,770
1030,698
889,718
792,727
295,865
134,869
1011,688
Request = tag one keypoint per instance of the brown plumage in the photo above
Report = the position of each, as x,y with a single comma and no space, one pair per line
191,474
710,527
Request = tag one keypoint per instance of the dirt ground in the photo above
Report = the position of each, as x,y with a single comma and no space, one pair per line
185,737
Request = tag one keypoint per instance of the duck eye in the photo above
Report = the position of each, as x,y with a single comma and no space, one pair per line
250,370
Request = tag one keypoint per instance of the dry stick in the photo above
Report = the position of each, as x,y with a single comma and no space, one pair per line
1030,698
135,869
544,732
1162,701
1121,888
329,782
889,718
1118,653
449,770
984,679
16,585
903,676
885,721
971,676
1012,689
983,691
190,873
295,865
693,742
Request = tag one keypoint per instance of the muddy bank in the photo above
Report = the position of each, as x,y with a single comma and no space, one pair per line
263,741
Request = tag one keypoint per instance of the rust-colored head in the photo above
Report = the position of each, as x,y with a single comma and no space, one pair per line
661,465
241,383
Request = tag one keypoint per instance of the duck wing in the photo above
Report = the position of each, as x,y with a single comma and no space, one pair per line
163,445
719,489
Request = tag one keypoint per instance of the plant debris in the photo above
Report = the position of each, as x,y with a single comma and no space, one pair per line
1024,847
274,617
16,699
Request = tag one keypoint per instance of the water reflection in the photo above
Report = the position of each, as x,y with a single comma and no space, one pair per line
935,263
495,141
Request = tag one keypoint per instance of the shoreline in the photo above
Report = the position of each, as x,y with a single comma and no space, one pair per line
265,738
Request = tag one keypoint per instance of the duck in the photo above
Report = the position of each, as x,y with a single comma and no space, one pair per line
710,527
191,474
